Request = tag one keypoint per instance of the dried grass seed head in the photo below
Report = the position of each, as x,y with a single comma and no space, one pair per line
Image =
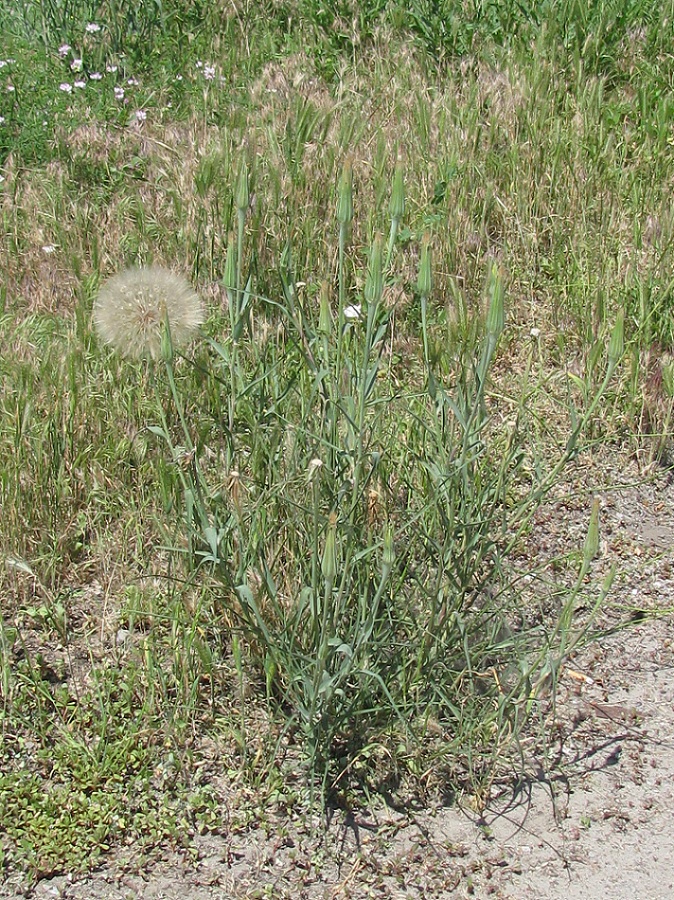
131,308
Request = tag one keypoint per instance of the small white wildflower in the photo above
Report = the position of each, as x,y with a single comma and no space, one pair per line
179,77
111,69
66,88
64,50
10,88
2,120
95,76
119,93
535,333
132,82
92,28
199,64
352,312
76,65
209,73
141,115
3,63
79,84
49,249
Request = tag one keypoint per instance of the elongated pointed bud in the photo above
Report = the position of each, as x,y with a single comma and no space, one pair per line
325,317
242,193
329,563
616,345
425,278
591,547
496,314
397,207
345,198
374,283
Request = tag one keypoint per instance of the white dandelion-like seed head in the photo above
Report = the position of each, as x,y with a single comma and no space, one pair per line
132,308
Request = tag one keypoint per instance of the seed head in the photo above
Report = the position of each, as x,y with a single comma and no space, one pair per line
133,307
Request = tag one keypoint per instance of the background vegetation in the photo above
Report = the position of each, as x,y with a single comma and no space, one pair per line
435,242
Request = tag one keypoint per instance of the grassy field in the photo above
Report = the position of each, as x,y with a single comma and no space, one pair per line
281,557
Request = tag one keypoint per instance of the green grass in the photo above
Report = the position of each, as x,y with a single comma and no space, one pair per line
306,540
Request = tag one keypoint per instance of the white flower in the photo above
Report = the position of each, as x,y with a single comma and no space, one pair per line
3,63
66,88
119,93
535,333
179,77
141,115
10,88
92,28
209,73
199,64
49,249
132,307
2,120
76,65
132,82
95,76
79,84
64,50
111,69
352,312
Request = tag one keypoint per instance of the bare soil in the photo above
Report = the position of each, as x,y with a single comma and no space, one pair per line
587,814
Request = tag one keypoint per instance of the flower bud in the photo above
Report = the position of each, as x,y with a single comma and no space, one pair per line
242,193
325,317
425,279
397,207
496,314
